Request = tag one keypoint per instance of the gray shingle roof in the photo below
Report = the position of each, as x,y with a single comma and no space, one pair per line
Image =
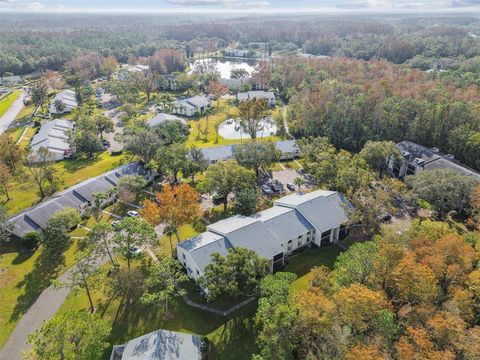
284,223
323,209
287,146
433,159
53,136
67,97
248,232
162,117
259,94
36,217
218,153
163,345
266,231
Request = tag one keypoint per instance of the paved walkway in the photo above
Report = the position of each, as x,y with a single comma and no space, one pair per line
44,308
11,113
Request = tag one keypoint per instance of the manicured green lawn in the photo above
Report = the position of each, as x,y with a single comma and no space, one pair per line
23,276
74,171
24,115
7,101
16,133
24,191
197,128
233,337
303,262
29,134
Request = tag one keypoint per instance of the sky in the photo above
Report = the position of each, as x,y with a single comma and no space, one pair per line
256,6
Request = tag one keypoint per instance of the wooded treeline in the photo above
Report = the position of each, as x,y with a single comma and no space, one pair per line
48,41
353,101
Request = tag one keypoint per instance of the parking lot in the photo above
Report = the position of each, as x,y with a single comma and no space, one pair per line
281,182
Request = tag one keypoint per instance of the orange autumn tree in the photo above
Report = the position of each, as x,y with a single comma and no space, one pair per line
177,205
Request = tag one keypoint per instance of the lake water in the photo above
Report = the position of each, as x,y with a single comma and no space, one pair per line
225,66
230,129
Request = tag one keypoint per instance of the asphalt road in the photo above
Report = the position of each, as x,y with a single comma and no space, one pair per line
11,113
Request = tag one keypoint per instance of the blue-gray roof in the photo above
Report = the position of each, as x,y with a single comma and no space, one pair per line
218,153
36,217
248,232
284,223
162,117
287,146
162,345
323,209
433,159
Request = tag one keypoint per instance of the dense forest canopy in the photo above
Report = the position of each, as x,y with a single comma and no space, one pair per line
28,42
352,101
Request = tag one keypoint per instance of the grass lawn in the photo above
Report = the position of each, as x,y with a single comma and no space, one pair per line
303,262
23,276
233,337
24,192
74,171
197,127
7,101
27,137
163,248
25,114
16,133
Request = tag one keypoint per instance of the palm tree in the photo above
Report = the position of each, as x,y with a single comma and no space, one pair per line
98,200
170,230
299,182
207,112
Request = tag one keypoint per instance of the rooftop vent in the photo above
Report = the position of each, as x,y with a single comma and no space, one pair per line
405,154
419,161
435,150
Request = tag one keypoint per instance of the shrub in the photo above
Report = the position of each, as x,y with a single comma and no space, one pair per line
31,240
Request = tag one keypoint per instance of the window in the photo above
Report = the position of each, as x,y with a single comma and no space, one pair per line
289,245
299,241
198,273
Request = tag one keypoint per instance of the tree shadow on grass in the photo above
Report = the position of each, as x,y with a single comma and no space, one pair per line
23,256
236,341
45,270
80,163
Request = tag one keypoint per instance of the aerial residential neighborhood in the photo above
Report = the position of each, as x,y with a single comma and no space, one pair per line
241,180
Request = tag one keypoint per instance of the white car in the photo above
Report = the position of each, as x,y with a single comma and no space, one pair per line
132,213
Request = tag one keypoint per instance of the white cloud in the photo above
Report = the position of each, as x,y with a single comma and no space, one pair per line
223,3
34,6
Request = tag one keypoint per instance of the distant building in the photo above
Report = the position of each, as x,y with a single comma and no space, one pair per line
218,153
69,100
294,222
288,150
417,158
269,96
79,197
233,52
54,136
10,80
162,117
137,68
192,106
235,84
160,345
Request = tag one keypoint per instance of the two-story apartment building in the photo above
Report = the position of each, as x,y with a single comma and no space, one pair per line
294,222
269,96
